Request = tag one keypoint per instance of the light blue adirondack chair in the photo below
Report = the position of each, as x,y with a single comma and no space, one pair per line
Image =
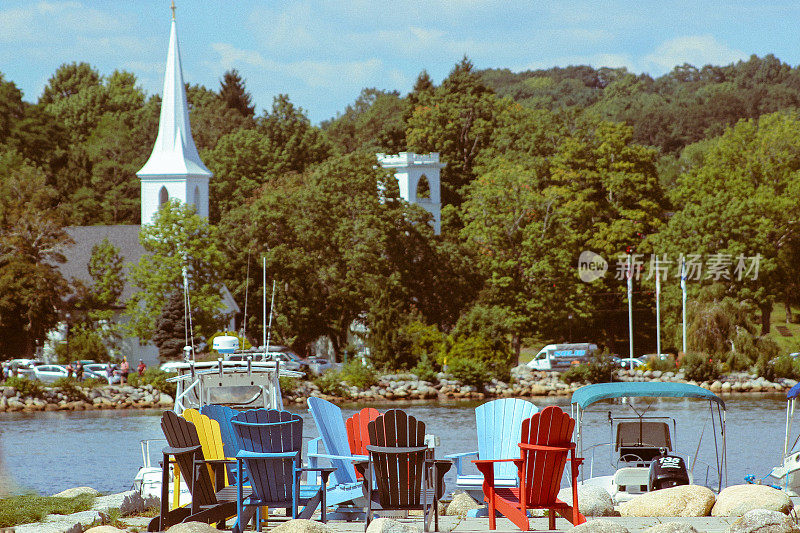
344,487
499,425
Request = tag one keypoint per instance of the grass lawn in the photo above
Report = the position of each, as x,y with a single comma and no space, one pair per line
32,508
778,318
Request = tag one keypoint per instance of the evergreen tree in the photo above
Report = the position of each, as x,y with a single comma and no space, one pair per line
170,333
234,95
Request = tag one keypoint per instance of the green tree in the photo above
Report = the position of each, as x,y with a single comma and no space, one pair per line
170,334
233,93
177,239
374,122
457,120
739,204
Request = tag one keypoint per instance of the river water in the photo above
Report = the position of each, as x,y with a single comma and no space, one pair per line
47,452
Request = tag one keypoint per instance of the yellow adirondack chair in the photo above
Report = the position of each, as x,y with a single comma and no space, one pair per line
210,440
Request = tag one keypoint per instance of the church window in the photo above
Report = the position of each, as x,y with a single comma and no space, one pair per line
197,197
423,188
163,197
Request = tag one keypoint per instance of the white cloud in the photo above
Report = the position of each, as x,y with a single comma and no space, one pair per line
697,50
48,21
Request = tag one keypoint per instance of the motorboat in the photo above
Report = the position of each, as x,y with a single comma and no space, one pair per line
238,384
642,449
147,481
788,473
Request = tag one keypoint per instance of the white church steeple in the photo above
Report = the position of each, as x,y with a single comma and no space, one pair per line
174,169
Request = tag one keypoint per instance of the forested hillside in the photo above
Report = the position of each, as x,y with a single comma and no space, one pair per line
541,166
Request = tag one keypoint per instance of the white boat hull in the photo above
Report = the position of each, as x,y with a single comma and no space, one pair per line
148,483
788,474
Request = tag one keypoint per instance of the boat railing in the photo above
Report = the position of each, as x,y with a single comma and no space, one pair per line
145,444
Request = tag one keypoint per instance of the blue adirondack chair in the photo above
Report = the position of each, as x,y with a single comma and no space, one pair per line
499,423
271,443
345,486
223,415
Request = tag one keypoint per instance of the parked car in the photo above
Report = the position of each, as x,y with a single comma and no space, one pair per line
627,363
318,365
47,373
100,370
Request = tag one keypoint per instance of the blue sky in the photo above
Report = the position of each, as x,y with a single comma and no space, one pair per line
323,53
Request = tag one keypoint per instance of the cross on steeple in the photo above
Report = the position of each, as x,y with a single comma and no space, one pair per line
172,7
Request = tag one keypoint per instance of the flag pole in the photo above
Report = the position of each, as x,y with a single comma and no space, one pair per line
658,310
630,305
683,298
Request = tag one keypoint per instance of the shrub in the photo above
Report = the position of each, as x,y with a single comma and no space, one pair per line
600,369
288,384
699,367
469,372
784,366
358,375
664,365
83,344
330,383
495,356
155,377
70,388
426,369
25,386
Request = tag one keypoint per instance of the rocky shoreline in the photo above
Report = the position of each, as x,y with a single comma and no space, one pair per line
390,387
524,383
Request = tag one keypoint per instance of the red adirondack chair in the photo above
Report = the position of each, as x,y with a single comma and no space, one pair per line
357,435
545,444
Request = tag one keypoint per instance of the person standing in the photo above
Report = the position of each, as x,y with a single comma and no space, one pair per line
141,368
124,368
69,370
79,371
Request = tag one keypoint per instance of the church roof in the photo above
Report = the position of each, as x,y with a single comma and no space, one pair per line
126,238
174,153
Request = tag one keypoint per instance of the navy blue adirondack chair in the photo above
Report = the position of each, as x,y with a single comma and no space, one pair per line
223,415
270,444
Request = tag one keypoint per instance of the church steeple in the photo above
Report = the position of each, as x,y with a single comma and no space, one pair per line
174,169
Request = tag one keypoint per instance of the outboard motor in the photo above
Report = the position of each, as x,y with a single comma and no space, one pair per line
667,471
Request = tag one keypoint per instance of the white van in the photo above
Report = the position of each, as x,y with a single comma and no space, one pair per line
562,356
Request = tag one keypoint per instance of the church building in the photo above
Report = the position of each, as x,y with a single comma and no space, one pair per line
173,171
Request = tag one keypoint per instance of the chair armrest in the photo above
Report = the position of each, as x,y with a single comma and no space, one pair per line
344,457
316,469
395,450
266,455
490,461
178,451
219,461
459,456
543,448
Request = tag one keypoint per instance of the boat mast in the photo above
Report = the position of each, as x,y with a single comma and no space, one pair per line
683,298
658,310
630,306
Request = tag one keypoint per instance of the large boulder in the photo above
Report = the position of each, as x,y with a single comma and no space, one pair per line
684,500
193,527
300,525
387,525
738,499
462,502
592,501
671,527
105,529
763,521
76,491
599,526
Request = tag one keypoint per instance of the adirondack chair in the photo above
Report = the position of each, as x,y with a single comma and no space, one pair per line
399,469
498,423
345,486
357,435
545,444
230,447
271,445
208,505
208,430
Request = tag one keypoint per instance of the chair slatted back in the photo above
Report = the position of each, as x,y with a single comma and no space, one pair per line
208,430
498,423
398,477
332,430
270,431
223,415
181,433
357,433
543,469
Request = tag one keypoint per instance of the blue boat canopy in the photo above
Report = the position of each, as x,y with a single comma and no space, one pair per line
794,392
589,394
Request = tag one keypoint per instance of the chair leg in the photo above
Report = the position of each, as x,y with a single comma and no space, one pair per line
552,518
